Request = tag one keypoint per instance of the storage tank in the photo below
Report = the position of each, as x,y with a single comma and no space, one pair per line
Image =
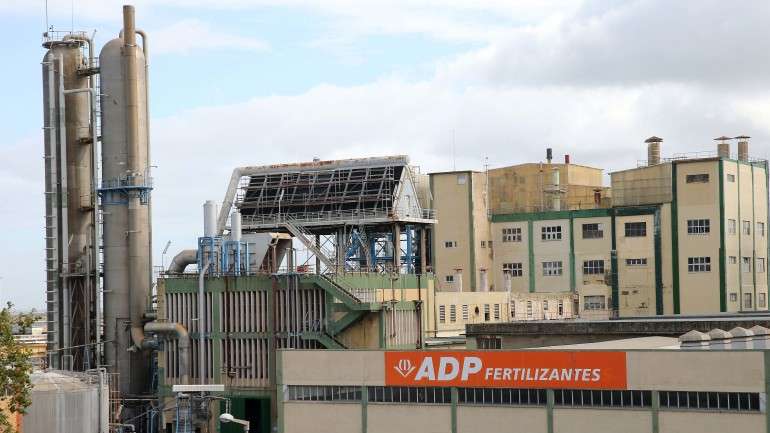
126,185
69,201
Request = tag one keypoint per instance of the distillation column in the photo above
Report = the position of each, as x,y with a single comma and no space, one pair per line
126,185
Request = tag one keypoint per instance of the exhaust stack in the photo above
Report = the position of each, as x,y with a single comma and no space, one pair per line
723,146
653,150
743,147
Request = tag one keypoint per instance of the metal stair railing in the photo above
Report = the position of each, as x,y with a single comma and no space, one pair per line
304,237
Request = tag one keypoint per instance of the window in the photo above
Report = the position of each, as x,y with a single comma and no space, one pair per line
761,229
550,233
732,260
636,229
593,231
697,178
637,262
453,313
746,264
746,228
593,267
465,313
594,302
441,314
761,300
450,244
552,269
760,264
513,309
731,227
514,269
497,311
501,396
711,401
731,178
733,297
512,234
747,301
486,312
489,244
323,393
602,398
561,308
489,342
545,305
529,308
449,278
402,394
483,244
462,179
698,227
699,264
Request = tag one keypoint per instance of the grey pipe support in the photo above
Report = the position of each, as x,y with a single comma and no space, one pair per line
202,321
183,259
183,340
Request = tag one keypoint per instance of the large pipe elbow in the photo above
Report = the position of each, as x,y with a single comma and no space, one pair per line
182,260
183,344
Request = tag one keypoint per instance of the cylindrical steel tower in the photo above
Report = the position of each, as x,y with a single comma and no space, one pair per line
71,252
126,185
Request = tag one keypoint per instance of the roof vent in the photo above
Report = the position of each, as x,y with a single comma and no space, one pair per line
653,150
742,338
743,147
723,147
720,339
694,340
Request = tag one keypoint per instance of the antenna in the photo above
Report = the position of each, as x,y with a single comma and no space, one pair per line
46,15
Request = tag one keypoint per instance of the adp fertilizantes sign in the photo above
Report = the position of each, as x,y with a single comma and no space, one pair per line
546,369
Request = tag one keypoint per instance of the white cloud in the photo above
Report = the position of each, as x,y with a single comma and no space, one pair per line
192,35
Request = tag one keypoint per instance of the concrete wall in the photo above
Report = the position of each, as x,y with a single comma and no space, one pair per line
601,420
452,204
389,418
322,417
489,419
676,422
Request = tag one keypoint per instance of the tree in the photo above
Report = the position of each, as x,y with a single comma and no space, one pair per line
15,368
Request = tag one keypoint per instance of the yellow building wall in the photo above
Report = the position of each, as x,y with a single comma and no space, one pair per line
644,185
300,417
390,418
710,422
636,285
585,420
489,419
592,249
698,291
451,202
511,252
549,251
482,236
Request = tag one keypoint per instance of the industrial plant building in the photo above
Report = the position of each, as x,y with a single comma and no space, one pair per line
316,288
684,235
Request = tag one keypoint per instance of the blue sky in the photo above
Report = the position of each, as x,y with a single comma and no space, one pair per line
247,82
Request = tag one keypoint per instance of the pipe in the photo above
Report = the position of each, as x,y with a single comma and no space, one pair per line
202,320
51,190
64,253
183,259
183,338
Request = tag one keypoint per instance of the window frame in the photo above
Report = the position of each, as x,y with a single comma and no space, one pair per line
551,233
699,264
591,233
553,268
635,229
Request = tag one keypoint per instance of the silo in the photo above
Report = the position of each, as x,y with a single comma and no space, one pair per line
126,185
70,234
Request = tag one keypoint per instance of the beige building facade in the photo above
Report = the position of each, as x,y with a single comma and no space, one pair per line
349,392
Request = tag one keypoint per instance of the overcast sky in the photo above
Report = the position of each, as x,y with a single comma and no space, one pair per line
240,82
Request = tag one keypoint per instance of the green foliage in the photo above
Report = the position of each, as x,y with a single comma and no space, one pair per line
15,367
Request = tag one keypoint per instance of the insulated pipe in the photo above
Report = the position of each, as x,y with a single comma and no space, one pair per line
183,259
64,253
182,337
235,227
137,226
202,321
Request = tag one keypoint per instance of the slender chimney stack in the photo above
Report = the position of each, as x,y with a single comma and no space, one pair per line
653,150
548,154
743,147
723,146
566,159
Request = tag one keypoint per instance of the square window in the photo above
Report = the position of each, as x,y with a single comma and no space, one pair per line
731,178
449,278
747,301
483,244
552,269
732,260
593,231
699,264
462,179
733,297
512,234
698,227
697,178
594,302
550,233
514,269
636,229
593,267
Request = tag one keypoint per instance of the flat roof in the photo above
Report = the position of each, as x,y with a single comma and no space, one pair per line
622,344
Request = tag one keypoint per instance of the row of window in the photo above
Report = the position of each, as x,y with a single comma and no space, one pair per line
442,316
556,268
703,264
687,400
732,226
748,300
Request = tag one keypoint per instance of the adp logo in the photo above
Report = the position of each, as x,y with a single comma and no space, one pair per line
447,368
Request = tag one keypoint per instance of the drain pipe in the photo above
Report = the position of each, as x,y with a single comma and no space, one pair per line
202,321
183,340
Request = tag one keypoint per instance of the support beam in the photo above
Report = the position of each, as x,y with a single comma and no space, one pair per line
396,248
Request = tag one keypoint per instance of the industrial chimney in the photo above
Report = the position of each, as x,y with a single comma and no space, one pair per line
743,147
653,150
548,154
723,147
